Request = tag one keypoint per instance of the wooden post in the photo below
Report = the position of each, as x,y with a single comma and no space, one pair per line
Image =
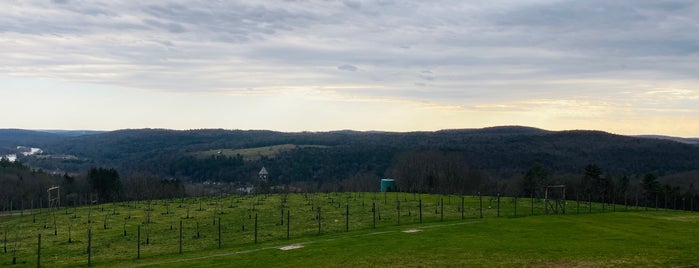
89,246
532,199
362,194
563,205
398,209
255,227
462,207
4,241
577,201
138,247
515,206
180,237
498,204
480,200
38,252
288,224
319,220
420,206
373,212
219,232
441,214
347,217
546,200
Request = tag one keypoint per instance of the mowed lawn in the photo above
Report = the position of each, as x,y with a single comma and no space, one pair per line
615,239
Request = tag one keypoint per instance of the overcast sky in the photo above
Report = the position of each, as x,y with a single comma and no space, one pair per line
627,67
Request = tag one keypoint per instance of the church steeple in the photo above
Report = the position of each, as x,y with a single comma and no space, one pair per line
263,174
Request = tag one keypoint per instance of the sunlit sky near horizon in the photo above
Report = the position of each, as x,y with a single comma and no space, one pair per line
627,67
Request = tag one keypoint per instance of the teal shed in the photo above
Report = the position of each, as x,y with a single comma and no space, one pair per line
388,185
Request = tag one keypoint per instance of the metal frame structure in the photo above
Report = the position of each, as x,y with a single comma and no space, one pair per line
54,193
559,203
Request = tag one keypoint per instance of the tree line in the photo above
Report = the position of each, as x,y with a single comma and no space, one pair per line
25,188
424,171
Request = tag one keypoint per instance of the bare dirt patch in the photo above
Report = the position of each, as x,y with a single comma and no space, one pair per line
290,247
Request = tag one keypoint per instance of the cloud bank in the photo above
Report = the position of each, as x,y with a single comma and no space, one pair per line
638,57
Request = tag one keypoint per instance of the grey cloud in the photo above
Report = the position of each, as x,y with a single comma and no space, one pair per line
638,28
347,67
427,77
352,4
170,26
478,49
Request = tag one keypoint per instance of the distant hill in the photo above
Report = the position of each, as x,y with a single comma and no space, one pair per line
500,152
21,136
693,141
72,133
11,138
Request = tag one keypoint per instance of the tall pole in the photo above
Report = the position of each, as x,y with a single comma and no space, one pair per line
480,199
138,239
441,213
373,212
498,204
89,246
180,237
38,252
564,200
462,207
546,200
319,220
398,209
420,206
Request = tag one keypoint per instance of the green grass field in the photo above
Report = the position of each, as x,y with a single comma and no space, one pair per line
629,237
252,154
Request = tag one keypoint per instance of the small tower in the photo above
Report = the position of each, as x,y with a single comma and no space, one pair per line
263,174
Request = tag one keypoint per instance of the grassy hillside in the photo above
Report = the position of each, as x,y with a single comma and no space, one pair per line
449,235
628,239
254,154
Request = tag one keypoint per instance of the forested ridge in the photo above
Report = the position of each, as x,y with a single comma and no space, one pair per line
501,152
512,160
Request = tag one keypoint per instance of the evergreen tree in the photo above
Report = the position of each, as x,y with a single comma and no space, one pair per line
535,178
104,182
650,186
